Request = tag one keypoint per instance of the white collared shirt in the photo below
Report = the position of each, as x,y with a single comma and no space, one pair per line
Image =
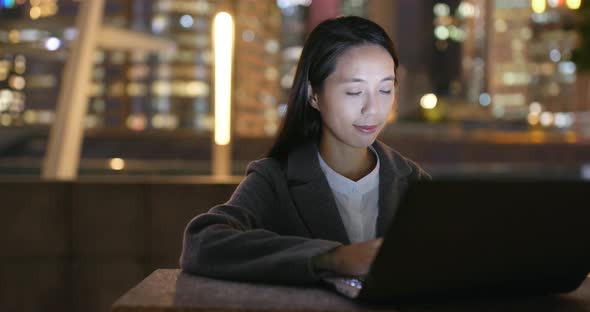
357,202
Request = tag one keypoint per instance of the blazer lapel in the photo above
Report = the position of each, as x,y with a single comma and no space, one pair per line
389,197
392,183
319,212
312,195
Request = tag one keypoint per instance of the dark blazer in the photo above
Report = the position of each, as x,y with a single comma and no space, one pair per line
281,216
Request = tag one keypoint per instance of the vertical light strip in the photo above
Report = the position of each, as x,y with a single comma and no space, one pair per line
538,6
223,39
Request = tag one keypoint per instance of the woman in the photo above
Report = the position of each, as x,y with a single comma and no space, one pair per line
327,190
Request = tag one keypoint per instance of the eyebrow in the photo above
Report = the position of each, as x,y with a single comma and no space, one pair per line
388,78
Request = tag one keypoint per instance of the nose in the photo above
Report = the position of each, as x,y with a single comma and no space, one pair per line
369,105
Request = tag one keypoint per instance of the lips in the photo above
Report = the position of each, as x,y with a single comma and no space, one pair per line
366,129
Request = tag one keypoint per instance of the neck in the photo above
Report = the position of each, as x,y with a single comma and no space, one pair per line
353,163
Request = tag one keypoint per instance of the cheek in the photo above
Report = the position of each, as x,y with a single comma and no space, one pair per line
337,109
386,104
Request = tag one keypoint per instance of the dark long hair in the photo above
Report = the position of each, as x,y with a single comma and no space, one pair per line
322,48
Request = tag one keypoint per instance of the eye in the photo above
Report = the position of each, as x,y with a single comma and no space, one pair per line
354,93
385,91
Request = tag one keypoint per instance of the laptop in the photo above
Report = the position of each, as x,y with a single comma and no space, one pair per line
459,238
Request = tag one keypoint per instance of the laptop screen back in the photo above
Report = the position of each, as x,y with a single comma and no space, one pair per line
477,237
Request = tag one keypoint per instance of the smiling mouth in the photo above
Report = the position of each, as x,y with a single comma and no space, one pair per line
366,129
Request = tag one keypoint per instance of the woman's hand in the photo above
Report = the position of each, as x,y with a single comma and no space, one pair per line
349,260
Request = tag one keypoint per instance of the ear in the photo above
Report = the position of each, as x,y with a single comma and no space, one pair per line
313,101
312,97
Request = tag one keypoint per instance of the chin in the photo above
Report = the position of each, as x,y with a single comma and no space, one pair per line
361,142
354,139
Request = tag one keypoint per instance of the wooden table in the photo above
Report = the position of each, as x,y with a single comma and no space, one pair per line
172,290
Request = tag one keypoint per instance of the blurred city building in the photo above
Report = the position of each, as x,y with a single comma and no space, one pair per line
512,58
533,77
465,65
483,60
139,91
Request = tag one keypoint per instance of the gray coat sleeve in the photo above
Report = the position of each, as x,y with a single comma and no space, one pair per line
230,241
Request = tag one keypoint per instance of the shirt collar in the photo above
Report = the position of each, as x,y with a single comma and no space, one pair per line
342,184
302,165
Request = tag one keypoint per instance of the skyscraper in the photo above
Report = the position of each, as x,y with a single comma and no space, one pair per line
257,59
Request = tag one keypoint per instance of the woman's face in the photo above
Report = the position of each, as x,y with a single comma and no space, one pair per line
357,97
